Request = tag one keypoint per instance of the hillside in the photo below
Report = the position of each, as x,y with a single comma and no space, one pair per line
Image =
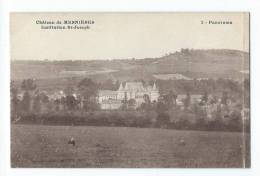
186,64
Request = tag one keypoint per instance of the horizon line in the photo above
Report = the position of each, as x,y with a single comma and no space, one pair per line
132,58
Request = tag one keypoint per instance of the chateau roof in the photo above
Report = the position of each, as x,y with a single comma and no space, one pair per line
135,86
121,87
154,86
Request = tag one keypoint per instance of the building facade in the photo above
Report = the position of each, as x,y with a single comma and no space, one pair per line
130,91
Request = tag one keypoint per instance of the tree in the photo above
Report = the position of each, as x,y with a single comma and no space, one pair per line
174,97
28,85
13,89
187,87
131,103
57,102
161,107
147,99
214,100
185,51
71,102
43,97
37,103
88,90
163,119
198,111
170,99
187,101
217,122
117,84
204,98
147,103
62,102
69,91
218,113
14,100
224,98
235,121
151,82
124,103
108,84
26,101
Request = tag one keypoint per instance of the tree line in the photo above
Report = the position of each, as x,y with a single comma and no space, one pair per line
166,113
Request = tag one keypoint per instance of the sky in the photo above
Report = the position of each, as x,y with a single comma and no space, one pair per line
124,35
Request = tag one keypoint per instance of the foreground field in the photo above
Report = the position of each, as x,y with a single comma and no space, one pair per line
47,146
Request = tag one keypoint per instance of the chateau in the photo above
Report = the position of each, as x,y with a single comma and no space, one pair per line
131,90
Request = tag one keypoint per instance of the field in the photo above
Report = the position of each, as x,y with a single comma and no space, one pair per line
195,64
47,146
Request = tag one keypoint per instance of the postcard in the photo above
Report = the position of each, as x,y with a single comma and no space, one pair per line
130,90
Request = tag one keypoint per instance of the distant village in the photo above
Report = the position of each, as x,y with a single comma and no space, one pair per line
132,95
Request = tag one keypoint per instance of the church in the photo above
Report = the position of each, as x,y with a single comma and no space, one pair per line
130,90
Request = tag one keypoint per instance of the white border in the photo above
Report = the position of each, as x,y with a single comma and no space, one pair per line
6,6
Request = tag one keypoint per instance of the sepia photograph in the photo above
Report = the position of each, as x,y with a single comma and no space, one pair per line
130,90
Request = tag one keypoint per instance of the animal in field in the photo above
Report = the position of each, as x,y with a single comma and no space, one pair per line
72,141
182,142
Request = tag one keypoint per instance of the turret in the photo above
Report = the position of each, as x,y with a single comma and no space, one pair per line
121,87
154,93
154,86
126,86
120,92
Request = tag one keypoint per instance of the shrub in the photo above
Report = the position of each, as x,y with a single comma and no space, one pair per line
176,119
163,119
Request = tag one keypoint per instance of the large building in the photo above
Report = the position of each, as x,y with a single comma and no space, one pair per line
131,90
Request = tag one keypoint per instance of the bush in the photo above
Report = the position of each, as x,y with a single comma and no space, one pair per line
163,119
177,119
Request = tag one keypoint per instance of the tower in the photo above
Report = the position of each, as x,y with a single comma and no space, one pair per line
121,92
154,93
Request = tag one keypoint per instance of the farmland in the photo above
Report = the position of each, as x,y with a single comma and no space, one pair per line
194,64
47,146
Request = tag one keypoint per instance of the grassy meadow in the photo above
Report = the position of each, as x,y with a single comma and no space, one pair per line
124,147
